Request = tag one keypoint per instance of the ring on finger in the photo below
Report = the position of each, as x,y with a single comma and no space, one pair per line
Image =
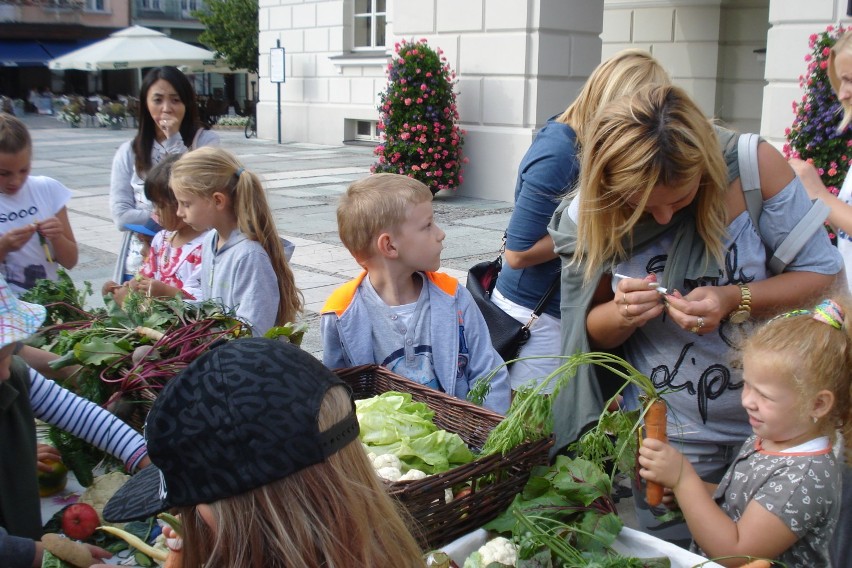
700,323
694,329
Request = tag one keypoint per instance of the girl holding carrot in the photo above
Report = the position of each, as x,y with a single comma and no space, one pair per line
781,497
243,263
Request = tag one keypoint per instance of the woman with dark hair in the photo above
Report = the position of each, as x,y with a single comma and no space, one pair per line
168,124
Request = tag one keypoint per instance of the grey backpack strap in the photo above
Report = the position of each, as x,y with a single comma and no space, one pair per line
750,175
750,181
801,233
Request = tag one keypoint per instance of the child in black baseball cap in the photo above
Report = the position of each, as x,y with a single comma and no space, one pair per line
255,444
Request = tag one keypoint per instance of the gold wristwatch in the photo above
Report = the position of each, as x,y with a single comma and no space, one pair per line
743,311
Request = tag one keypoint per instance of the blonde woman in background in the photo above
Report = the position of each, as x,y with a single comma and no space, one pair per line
547,172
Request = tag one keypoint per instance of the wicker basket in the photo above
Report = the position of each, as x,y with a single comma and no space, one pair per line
495,479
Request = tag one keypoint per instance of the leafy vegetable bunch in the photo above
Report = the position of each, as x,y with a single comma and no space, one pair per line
614,440
61,298
123,356
392,423
530,416
565,517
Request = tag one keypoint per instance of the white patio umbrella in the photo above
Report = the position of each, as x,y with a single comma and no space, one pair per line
137,47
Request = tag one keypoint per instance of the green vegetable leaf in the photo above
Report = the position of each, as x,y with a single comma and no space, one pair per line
605,529
537,485
98,351
294,332
541,559
581,480
66,360
143,560
392,416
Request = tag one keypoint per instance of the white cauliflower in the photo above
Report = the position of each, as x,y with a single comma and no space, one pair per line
498,550
389,473
412,475
386,460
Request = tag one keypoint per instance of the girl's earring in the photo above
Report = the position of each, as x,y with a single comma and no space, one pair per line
815,419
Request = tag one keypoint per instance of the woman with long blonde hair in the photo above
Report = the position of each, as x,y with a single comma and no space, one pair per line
661,257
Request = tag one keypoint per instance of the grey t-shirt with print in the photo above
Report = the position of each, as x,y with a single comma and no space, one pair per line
801,489
699,375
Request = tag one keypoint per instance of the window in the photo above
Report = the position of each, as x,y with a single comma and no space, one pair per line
151,5
64,4
366,130
95,5
369,24
188,6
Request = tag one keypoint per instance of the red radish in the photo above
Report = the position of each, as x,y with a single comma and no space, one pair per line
79,521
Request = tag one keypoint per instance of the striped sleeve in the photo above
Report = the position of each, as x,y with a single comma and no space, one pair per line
85,419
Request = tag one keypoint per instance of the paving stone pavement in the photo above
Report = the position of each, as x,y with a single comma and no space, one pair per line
303,182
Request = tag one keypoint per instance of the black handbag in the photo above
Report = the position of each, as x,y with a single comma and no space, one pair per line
508,335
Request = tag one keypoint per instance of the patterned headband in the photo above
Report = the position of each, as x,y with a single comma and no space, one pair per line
827,312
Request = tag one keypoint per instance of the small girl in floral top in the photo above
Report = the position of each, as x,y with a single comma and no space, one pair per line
173,265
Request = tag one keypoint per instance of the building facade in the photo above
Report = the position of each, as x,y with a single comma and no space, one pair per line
522,61
33,32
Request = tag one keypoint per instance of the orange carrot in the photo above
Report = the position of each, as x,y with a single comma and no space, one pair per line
655,428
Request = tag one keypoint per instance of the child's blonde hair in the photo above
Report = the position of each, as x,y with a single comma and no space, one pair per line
210,170
373,205
813,349
14,136
658,136
842,45
334,513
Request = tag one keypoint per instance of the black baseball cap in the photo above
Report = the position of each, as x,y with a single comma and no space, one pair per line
242,415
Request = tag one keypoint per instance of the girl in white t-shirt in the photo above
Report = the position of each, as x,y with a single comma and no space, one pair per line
35,233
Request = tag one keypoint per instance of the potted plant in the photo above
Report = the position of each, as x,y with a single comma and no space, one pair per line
421,137
112,115
72,113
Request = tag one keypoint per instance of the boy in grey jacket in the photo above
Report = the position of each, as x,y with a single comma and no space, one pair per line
399,312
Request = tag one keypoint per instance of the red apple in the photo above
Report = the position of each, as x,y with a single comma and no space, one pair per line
79,521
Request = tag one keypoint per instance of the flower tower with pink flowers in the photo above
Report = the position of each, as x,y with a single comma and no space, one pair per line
419,119
813,135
